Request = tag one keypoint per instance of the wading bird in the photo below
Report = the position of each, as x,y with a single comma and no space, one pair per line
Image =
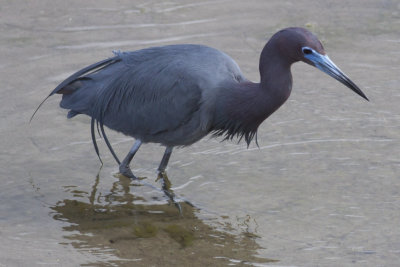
175,95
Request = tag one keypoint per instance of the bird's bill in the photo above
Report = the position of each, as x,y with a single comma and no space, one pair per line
324,63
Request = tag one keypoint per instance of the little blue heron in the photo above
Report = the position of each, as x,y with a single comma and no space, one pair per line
175,95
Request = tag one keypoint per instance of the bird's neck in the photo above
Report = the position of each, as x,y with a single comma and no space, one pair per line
242,107
275,74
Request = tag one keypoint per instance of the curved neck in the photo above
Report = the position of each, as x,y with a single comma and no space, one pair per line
242,107
274,66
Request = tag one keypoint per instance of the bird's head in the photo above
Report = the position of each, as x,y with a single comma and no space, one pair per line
299,44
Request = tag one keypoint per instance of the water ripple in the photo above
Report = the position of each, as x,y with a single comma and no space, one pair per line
241,149
136,42
134,26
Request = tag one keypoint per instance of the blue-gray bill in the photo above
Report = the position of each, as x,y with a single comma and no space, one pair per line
324,63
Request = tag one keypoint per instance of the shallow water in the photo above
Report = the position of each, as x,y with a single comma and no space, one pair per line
321,190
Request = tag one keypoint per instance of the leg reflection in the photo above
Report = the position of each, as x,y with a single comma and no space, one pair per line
166,188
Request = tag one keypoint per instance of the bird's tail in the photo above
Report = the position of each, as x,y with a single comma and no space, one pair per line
77,100
71,84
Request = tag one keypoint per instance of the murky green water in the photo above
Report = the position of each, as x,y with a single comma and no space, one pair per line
322,189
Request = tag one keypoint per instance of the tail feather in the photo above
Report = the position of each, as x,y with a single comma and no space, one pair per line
63,88
92,68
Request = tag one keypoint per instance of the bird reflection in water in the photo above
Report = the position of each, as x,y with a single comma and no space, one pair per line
133,228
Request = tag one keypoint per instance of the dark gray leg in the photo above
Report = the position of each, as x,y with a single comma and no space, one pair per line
124,167
165,159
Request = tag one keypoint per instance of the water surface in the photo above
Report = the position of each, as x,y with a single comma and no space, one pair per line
321,190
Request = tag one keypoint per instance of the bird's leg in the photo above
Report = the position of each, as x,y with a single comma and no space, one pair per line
161,169
165,159
124,166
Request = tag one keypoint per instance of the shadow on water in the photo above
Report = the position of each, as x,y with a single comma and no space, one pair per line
143,232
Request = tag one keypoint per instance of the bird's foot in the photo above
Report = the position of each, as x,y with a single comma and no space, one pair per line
126,171
166,188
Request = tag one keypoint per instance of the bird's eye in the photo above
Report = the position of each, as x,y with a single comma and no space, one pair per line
307,50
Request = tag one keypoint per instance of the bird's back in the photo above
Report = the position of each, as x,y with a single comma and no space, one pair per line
160,94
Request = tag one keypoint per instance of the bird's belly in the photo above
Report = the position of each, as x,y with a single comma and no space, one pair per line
183,135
